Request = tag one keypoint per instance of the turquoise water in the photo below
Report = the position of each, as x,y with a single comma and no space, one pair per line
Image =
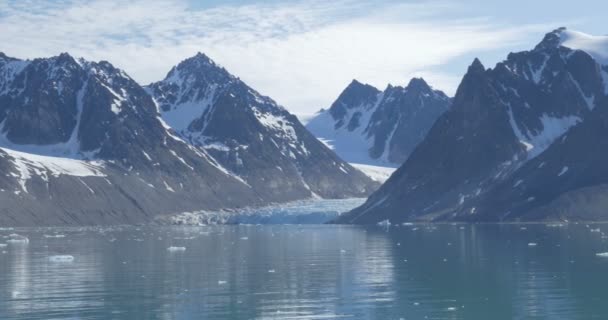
306,272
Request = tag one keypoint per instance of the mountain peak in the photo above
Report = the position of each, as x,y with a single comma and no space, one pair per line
201,67
552,39
418,84
199,60
356,87
477,67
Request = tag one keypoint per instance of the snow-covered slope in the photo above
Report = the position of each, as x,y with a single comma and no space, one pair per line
381,128
377,173
251,135
519,141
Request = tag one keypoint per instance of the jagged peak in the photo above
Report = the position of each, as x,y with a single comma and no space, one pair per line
200,60
198,65
418,84
476,67
551,40
356,87
356,84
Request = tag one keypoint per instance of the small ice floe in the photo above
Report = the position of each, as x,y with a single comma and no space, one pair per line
532,244
18,239
54,235
602,254
452,308
405,224
61,258
3,245
342,251
244,238
595,230
176,249
221,282
271,271
384,223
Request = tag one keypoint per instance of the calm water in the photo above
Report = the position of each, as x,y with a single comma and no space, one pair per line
307,272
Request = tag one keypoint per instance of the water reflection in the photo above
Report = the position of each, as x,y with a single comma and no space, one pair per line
307,272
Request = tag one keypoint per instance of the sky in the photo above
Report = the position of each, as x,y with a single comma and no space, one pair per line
300,53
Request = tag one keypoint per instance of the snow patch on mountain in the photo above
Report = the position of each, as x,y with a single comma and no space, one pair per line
9,71
182,114
28,165
537,142
377,173
352,145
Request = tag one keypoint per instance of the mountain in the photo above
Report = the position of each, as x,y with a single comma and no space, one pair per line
368,126
251,135
520,142
81,143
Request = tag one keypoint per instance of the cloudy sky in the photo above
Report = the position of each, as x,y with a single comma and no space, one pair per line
301,53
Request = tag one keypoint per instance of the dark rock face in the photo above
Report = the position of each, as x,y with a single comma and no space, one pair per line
497,154
251,136
365,125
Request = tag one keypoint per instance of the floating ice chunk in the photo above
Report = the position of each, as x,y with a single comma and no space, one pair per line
451,309
407,224
602,254
271,271
532,244
384,223
61,258
595,230
3,245
221,282
18,239
54,236
176,249
244,238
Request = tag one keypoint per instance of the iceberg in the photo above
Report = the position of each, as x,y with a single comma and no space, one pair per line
18,239
384,223
61,258
176,249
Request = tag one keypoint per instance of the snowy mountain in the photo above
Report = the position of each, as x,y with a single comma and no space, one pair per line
520,142
82,143
382,128
251,135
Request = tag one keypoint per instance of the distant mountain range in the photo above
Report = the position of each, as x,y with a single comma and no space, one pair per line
522,141
368,126
82,143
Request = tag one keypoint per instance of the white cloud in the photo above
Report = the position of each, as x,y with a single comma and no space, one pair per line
302,54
